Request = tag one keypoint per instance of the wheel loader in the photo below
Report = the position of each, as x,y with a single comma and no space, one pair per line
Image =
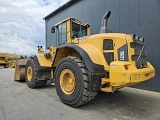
12,63
81,64
4,61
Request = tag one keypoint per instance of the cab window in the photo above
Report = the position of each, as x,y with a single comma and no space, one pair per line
62,33
78,30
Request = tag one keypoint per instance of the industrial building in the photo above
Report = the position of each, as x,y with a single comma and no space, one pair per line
140,17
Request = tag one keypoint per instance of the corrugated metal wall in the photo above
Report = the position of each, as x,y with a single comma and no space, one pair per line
141,17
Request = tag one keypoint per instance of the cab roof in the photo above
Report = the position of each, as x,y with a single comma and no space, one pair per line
76,21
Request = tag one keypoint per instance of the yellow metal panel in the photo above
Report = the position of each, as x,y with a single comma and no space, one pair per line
88,31
43,61
120,76
130,51
69,30
93,53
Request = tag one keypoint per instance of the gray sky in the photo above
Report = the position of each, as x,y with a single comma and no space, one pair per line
22,27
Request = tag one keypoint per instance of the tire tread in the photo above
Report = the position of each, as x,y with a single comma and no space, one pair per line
35,83
87,95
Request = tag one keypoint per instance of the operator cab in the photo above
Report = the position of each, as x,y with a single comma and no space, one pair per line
69,29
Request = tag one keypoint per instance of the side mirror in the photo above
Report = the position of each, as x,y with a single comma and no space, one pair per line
53,29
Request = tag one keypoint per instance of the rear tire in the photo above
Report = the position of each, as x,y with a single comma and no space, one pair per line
75,92
31,75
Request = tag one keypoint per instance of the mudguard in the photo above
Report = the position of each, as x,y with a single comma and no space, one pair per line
90,65
43,72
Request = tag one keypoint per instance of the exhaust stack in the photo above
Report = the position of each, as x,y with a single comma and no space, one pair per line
104,22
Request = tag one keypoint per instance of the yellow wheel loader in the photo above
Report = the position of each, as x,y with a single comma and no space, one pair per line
12,63
4,61
82,64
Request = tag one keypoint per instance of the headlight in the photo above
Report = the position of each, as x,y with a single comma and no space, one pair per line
141,39
136,38
133,36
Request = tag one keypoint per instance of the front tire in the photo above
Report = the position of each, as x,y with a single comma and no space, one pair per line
72,82
31,75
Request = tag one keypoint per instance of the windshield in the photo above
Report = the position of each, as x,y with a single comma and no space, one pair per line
78,30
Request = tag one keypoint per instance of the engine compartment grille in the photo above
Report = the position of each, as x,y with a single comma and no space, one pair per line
140,54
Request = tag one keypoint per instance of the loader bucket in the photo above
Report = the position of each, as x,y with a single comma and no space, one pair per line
19,74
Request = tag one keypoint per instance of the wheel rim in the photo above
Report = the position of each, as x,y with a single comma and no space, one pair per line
67,81
29,73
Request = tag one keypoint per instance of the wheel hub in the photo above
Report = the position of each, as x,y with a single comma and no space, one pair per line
67,81
29,73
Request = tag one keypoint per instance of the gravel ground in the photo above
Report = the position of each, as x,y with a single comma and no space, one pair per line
18,102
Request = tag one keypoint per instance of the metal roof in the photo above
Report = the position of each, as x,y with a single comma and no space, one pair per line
66,5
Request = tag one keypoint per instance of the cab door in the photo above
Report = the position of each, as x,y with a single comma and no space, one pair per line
62,33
